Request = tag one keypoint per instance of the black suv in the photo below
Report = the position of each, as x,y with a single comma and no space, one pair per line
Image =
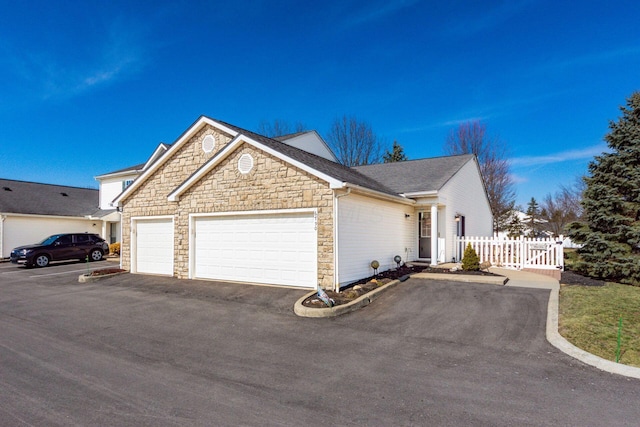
61,247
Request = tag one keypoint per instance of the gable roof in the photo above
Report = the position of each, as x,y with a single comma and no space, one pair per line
23,197
416,176
315,165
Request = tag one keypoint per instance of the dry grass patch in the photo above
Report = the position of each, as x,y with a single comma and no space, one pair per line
589,319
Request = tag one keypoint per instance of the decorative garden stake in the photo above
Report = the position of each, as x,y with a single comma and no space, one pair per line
325,298
375,264
397,259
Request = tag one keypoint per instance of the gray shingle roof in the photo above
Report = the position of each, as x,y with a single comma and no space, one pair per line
332,169
415,176
24,197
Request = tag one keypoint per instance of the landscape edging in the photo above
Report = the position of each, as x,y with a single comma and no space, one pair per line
337,310
84,278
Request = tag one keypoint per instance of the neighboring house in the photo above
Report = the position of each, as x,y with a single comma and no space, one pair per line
224,203
30,212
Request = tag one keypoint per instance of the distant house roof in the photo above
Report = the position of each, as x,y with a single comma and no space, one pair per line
22,197
413,176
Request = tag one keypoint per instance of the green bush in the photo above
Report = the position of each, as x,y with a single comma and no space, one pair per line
114,248
470,260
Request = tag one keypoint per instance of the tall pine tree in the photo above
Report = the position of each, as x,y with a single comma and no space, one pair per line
610,233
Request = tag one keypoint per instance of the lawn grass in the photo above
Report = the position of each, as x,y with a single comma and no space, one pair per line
589,316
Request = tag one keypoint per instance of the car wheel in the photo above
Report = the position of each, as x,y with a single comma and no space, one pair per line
96,255
41,260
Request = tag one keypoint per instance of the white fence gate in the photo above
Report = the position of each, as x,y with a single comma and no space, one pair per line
520,253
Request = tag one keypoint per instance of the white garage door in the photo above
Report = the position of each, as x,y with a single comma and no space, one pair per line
277,249
154,246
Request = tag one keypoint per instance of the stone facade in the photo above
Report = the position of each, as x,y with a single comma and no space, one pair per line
270,185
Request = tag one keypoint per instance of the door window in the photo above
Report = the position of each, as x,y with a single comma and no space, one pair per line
425,224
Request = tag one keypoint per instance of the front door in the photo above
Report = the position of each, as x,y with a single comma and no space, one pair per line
424,235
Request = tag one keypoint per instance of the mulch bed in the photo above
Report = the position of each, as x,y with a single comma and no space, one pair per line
572,278
363,286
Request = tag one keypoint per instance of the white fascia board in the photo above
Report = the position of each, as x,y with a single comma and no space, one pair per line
379,195
429,193
214,161
162,148
117,174
8,214
175,147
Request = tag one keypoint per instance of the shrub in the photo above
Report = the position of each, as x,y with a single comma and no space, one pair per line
470,261
114,248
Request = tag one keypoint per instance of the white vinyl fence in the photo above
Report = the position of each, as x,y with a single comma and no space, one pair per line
520,253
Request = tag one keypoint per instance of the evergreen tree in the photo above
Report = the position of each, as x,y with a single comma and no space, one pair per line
515,228
396,155
470,260
533,212
610,231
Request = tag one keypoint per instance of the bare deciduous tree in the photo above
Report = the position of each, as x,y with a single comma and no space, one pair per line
354,142
563,208
471,138
279,128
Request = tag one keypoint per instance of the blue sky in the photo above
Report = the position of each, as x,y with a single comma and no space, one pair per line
91,87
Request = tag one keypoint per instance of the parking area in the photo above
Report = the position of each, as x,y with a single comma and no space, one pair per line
149,350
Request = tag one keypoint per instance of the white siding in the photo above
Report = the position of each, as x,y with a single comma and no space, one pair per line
370,229
110,188
311,143
465,195
26,230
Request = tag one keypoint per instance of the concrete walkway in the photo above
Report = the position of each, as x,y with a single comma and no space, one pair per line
532,280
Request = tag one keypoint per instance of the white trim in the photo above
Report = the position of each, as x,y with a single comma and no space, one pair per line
336,258
2,218
188,134
131,171
421,193
434,234
133,239
254,212
85,217
377,194
155,156
237,142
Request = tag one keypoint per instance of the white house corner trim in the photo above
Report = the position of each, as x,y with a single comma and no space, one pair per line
434,234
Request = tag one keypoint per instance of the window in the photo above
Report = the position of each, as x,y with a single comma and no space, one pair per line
126,183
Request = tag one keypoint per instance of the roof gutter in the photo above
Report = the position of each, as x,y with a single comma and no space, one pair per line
421,194
378,194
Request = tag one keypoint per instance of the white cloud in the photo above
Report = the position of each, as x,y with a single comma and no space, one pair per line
563,156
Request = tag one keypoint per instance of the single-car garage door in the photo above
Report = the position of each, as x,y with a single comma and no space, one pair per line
154,246
279,249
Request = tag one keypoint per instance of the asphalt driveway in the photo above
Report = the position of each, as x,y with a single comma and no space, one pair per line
143,350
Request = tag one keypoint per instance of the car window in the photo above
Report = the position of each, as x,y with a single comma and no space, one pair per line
83,238
64,239
49,240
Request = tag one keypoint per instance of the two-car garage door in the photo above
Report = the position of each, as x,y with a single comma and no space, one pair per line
278,248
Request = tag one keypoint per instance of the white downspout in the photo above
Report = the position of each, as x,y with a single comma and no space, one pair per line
120,213
434,234
336,278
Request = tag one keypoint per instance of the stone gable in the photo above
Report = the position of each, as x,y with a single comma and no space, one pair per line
270,185
150,199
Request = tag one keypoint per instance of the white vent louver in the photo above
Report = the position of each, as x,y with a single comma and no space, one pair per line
245,163
208,143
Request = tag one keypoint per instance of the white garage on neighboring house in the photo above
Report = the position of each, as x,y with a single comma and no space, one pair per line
224,203
31,211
